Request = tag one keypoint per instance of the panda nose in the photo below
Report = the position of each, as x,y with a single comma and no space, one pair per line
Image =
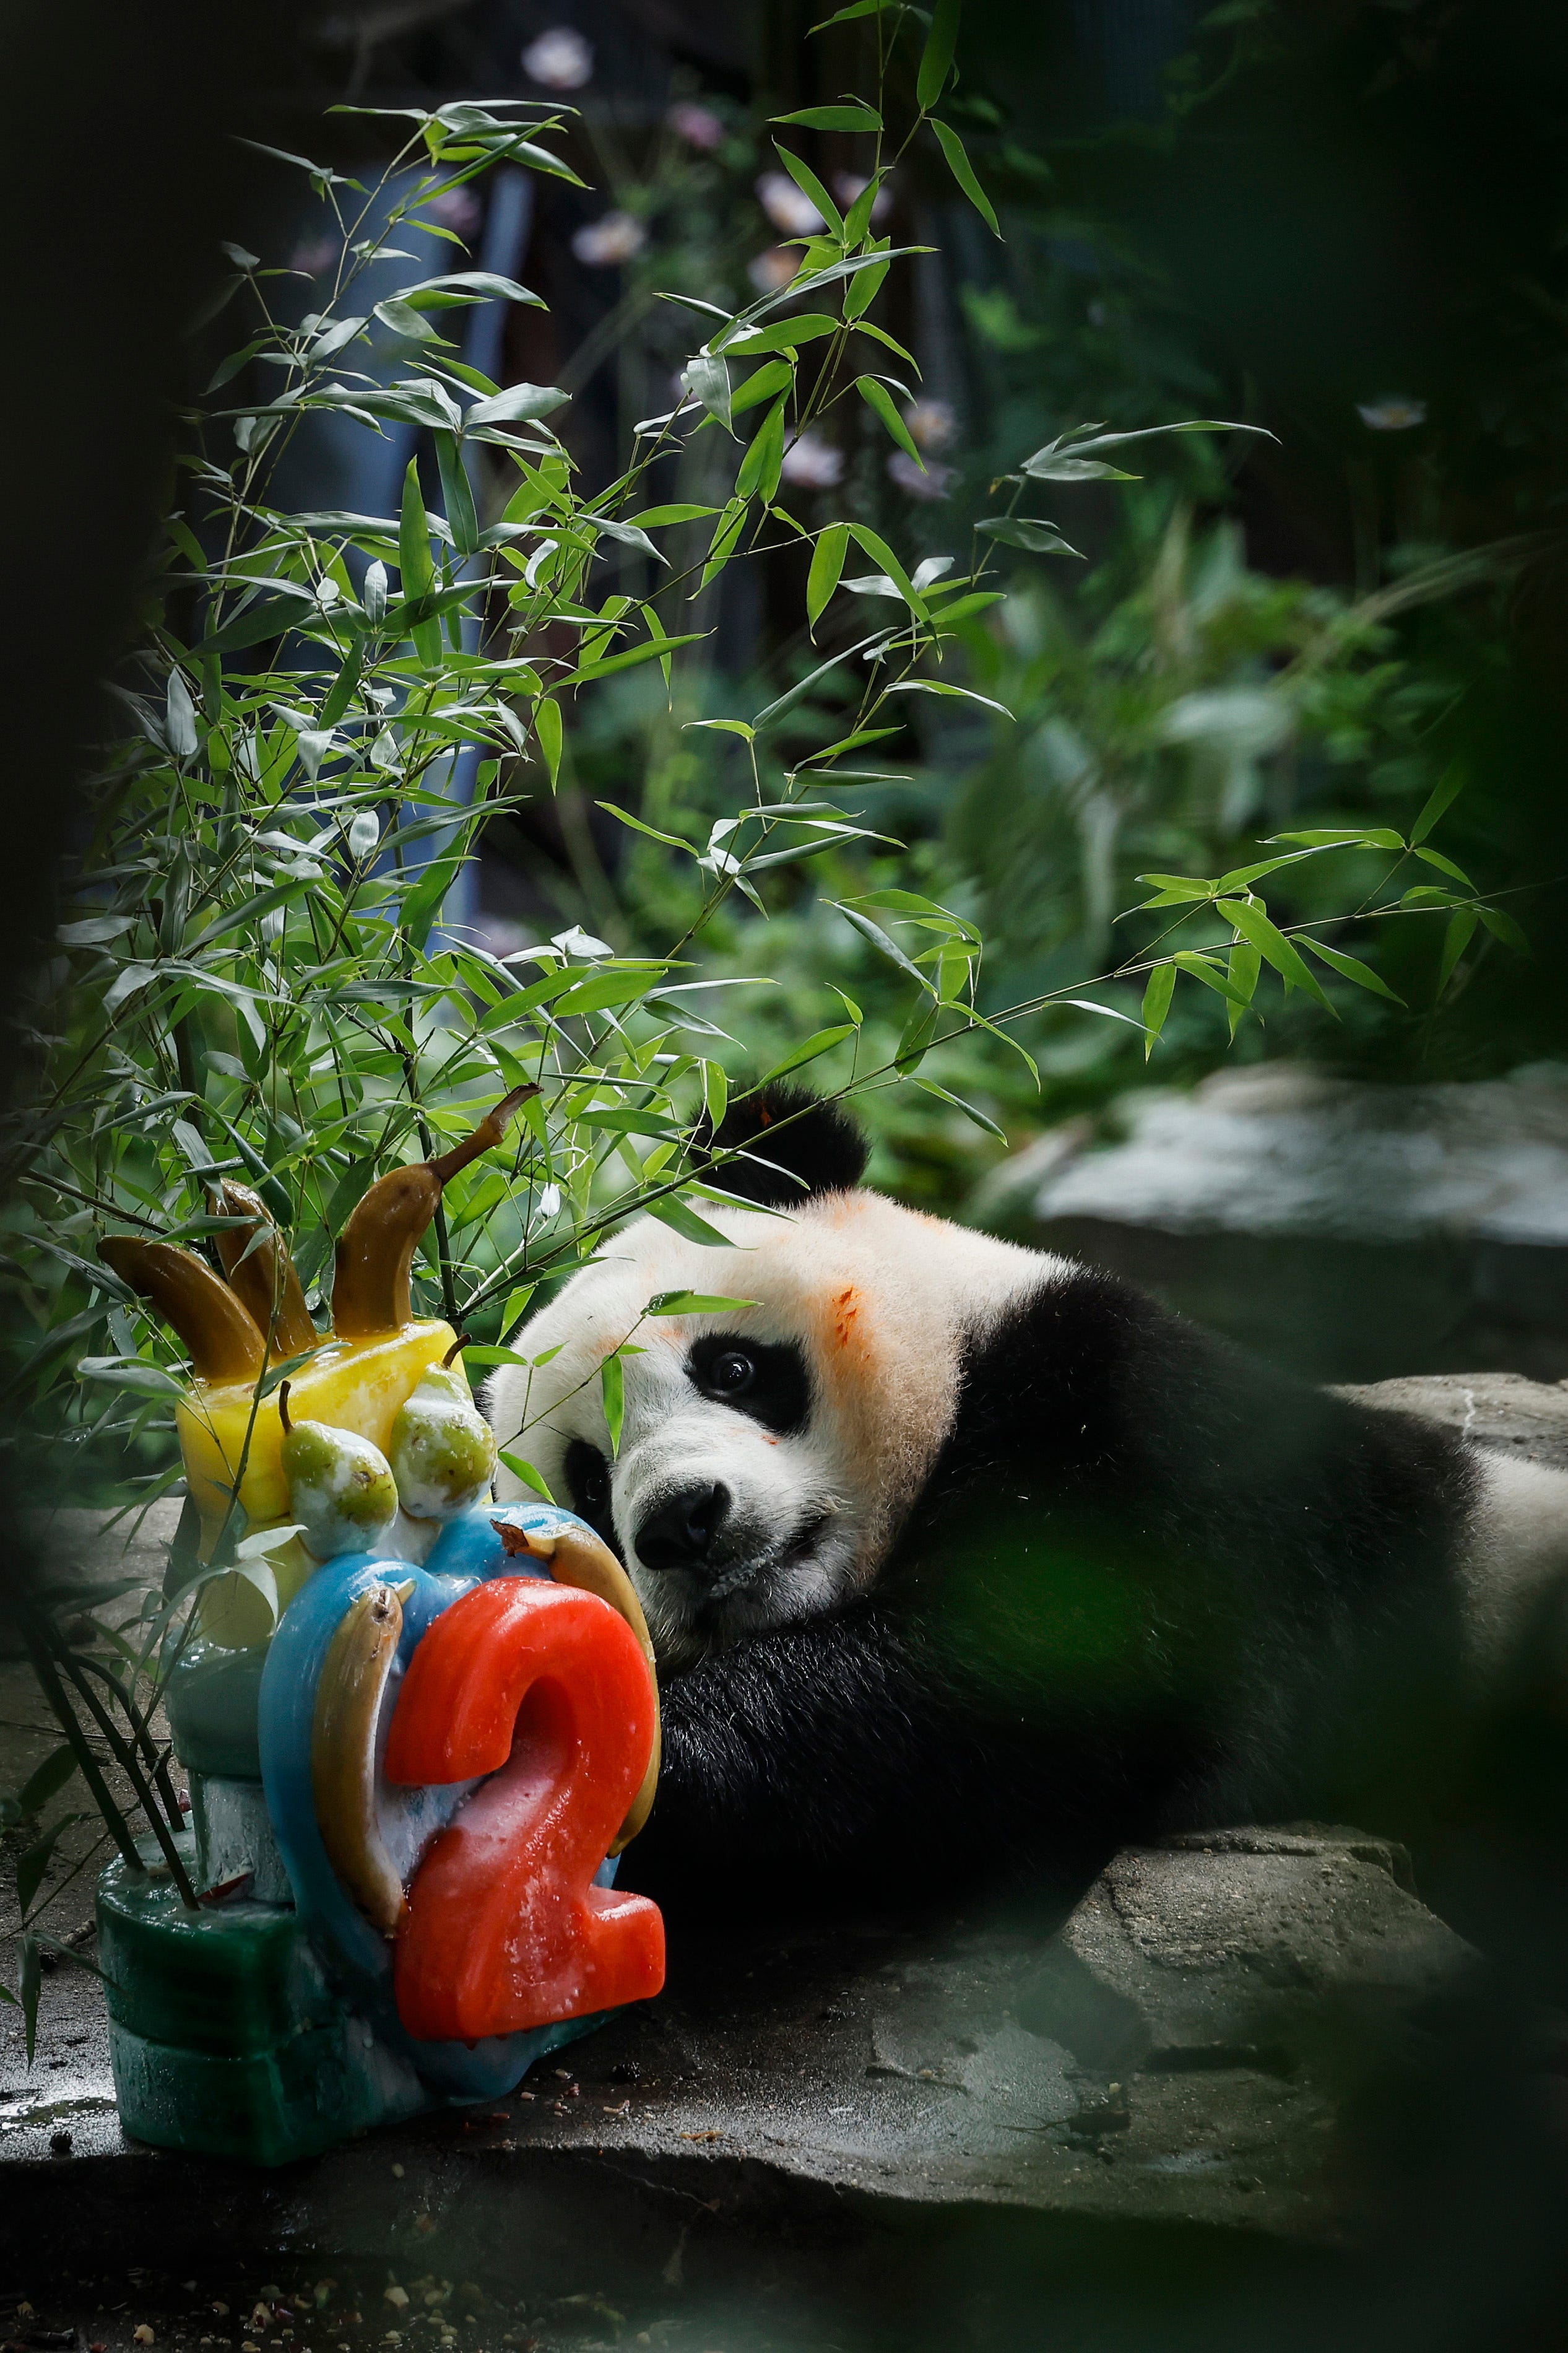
680,1532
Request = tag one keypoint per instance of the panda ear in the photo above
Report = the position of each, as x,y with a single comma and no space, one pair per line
793,1145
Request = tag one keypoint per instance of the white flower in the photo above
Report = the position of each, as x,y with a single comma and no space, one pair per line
812,463
932,423
613,238
1395,412
771,273
561,58
918,482
848,185
788,206
698,125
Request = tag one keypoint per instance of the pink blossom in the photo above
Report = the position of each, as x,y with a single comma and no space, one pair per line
613,239
315,255
1395,412
698,125
848,186
457,209
918,482
772,270
560,58
788,206
812,463
932,423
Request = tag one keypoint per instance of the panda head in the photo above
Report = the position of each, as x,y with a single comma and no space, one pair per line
770,1451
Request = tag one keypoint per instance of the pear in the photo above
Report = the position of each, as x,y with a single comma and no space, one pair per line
340,1488
443,1450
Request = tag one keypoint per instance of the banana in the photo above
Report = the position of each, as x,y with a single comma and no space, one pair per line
222,1337
370,1289
577,1557
265,1277
343,1751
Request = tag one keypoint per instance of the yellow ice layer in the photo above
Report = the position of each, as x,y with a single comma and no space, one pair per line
352,1385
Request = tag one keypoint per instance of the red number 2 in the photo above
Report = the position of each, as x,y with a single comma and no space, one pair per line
545,1689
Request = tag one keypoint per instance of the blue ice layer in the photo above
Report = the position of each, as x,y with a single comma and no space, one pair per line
358,1958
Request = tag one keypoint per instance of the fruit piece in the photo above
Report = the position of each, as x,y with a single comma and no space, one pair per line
341,1489
343,1751
264,1277
351,1384
575,1556
222,1337
370,1290
443,1451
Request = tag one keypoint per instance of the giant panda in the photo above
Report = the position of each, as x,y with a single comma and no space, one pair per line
963,1558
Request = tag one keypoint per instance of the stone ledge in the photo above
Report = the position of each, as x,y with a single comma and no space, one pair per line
1501,1410
1175,2056
1179,2053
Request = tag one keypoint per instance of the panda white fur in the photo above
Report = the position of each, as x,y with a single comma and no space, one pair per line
954,1551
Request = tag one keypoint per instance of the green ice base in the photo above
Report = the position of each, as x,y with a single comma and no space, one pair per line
226,2038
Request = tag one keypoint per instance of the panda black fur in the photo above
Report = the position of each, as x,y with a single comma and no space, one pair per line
989,1556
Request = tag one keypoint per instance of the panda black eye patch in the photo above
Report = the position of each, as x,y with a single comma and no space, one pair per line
588,1486
765,1380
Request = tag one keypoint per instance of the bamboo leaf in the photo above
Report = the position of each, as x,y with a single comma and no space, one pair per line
877,548
707,379
1244,967
418,567
673,1212
694,1303
547,727
1446,866
1503,927
1444,794
936,58
1254,924
1157,996
806,179
526,1473
1349,967
822,1042
962,171
827,570
1027,532
1209,971
879,401
613,1389
883,944
759,468
1457,934
755,342
970,1111
833,118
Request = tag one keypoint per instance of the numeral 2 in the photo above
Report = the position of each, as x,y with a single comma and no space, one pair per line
545,1689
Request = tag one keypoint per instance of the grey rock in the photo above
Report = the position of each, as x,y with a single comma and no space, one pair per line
1353,1231
1284,1148
1501,1410
1246,1949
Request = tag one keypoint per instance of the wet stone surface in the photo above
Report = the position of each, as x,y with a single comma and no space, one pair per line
1179,2049
1171,2056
